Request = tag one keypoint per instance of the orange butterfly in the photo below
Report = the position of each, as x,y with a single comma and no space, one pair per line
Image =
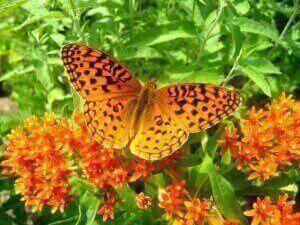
155,122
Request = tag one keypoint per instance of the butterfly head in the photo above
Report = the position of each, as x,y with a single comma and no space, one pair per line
151,84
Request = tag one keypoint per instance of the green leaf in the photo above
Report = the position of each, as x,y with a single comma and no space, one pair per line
291,177
224,197
142,52
188,6
188,74
88,208
69,221
48,15
210,145
128,198
199,174
237,39
241,6
86,185
16,72
251,26
258,78
37,10
261,65
163,33
8,6
255,44
54,95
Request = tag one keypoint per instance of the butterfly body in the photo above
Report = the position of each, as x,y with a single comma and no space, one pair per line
153,122
142,107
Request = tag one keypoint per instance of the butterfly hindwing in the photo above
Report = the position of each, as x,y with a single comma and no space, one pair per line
198,106
109,120
158,135
95,75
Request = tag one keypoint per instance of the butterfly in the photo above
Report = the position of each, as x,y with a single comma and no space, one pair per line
153,122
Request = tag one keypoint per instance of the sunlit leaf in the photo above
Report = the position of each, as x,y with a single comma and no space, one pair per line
163,33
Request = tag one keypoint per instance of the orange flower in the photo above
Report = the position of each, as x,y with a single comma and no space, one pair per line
286,209
38,155
172,199
263,212
181,208
230,139
143,201
197,212
219,220
108,208
168,163
263,171
141,169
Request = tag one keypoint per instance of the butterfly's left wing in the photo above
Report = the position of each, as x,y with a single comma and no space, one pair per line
178,111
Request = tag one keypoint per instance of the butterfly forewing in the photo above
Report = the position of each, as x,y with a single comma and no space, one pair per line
97,76
198,106
109,90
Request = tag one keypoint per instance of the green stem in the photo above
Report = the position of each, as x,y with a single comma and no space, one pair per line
75,19
286,27
233,69
291,20
223,4
229,168
131,9
193,12
200,186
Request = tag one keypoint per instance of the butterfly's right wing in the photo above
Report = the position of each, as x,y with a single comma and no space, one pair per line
97,76
109,120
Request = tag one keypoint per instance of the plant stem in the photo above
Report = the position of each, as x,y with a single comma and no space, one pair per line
286,27
223,4
292,18
200,186
229,168
75,19
233,69
193,12
131,16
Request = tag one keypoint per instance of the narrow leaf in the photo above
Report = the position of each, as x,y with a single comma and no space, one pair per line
88,208
224,197
262,65
251,26
69,221
163,33
258,78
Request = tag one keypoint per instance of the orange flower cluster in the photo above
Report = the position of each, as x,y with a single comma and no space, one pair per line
37,154
267,212
271,139
42,156
107,169
185,210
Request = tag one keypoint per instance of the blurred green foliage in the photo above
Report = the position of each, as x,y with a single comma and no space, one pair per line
250,45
